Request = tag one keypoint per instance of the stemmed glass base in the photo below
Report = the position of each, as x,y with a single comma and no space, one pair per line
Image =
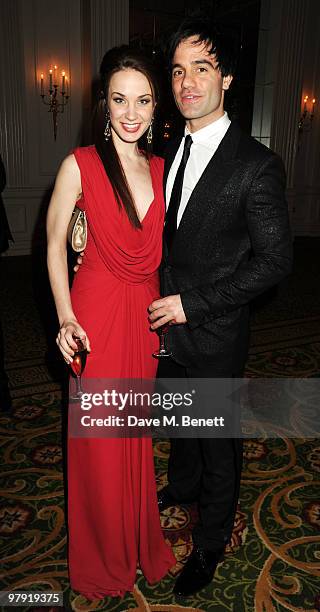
162,352
76,396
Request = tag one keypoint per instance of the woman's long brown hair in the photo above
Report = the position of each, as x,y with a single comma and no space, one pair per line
119,58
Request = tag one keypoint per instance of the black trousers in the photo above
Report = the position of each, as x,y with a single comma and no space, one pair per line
205,470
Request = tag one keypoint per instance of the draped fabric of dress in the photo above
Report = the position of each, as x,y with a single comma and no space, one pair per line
113,515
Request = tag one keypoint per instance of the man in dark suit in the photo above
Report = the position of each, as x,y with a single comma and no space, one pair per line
226,240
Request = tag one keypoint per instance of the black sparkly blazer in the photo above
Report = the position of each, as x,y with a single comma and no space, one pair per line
233,243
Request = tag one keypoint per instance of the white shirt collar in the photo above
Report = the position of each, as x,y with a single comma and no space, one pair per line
207,134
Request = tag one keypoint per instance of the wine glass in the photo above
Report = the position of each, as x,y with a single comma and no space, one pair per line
77,366
163,351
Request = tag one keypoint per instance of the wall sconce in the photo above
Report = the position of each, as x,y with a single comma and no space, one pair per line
305,121
51,100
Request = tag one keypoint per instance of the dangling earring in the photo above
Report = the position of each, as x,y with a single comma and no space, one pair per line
107,130
149,134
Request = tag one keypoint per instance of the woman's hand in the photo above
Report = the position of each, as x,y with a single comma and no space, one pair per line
79,261
65,339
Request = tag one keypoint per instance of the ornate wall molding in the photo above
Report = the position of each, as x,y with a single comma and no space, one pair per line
109,27
13,119
288,68
288,85
35,35
74,34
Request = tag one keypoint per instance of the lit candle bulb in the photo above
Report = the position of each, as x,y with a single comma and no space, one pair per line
67,86
41,84
50,80
55,76
313,105
63,81
305,103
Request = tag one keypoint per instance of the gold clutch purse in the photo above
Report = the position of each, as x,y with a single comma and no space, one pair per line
77,230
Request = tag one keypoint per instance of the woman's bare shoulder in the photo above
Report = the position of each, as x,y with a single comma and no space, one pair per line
69,174
69,164
69,170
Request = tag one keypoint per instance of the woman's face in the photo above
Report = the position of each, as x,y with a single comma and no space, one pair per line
130,104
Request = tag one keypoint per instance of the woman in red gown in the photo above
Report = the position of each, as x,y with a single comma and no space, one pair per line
112,505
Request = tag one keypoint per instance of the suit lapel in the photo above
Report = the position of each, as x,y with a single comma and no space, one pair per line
169,158
170,154
213,179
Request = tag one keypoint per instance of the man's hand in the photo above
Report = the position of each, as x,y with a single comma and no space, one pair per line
79,262
166,310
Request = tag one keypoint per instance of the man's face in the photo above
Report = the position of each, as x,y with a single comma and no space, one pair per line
197,84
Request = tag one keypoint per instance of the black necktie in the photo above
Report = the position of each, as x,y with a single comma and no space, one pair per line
170,227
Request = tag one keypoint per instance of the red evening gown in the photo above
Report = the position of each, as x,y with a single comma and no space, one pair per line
113,516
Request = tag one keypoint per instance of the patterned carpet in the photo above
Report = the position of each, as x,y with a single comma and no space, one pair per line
273,562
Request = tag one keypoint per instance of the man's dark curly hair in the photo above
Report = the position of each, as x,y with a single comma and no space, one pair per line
219,43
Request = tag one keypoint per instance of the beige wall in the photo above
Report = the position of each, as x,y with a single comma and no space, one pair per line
288,68
36,34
